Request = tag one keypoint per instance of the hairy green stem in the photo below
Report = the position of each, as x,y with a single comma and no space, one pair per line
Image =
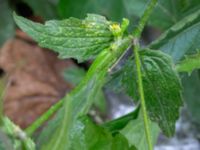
137,33
141,92
43,118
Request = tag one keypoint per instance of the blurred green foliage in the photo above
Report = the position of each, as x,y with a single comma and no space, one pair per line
47,9
179,21
6,22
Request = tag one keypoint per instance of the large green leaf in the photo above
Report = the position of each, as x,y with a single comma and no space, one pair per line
181,39
166,13
78,102
161,87
113,9
80,39
6,23
135,133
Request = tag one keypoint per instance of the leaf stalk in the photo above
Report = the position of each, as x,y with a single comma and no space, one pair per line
43,118
137,34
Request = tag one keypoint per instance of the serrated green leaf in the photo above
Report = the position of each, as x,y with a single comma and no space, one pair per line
166,13
78,102
161,88
71,38
189,64
135,133
181,39
6,23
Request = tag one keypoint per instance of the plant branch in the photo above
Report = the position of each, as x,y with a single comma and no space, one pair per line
137,33
31,129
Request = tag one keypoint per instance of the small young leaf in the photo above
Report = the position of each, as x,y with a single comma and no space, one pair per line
135,133
189,64
181,39
71,38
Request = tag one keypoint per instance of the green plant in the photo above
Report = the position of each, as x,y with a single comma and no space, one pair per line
149,76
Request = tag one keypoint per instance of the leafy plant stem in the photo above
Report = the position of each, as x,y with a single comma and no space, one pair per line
43,118
137,33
